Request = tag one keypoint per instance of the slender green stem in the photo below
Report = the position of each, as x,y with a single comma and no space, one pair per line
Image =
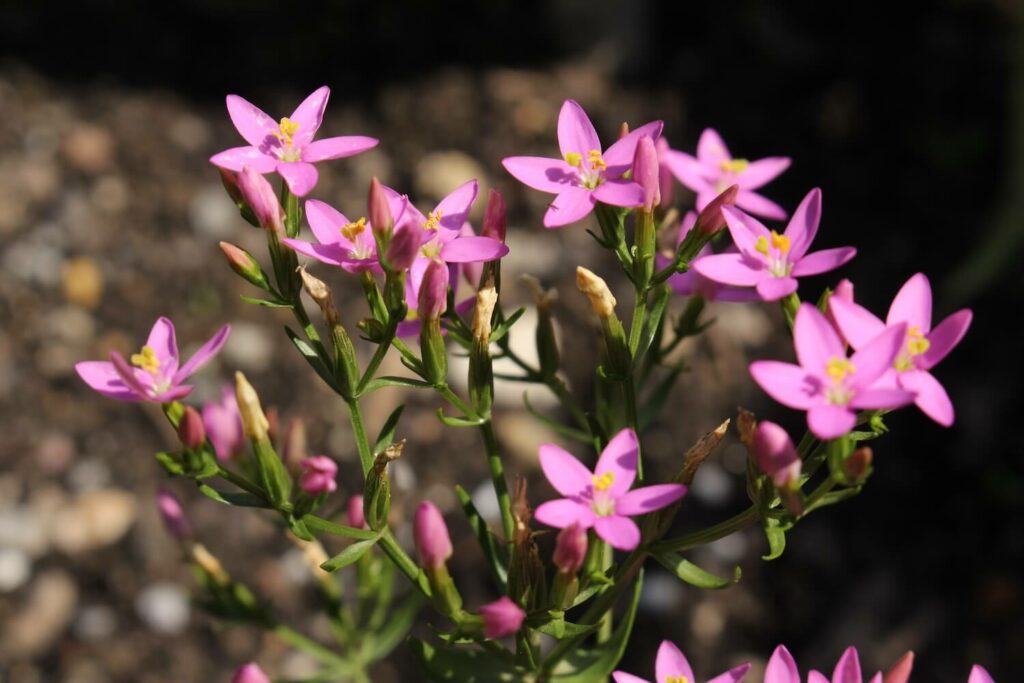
309,646
554,384
355,414
378,357
241,482
445,391
730,526
404,563
634,421
498,479
636,325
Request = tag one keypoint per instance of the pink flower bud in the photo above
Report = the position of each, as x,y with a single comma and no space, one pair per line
570,549
711,219
378,209
250,673
844,290
355,512
431,536
433,298
900,671
261,198
495,217
501,618
645,172
404,246
230,181
223,424
172,515
776,456
190,429
318,473
666,183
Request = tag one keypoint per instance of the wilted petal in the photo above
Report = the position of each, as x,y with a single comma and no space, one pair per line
566,474
671,662
945,337
473,250
252,123
235,158
829,421
930,396
823,261
781,667
857,324
541,173
102,377
620,193
203,355
621,533
878,355
564,512
788,384
337,148
619,458
776,288
576,133
731,269
309,115
815,339
803,226
711,148
913,304
649,498
759,205
568,207
300,176
761,172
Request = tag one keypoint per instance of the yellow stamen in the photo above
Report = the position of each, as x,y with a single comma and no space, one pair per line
734,165
780,242
352,230
839,368
761,245
604,482
595,160
286,130
916,342
677,679
147,360
433,221
574,159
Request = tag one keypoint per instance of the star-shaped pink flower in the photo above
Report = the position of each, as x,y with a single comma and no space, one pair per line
671,667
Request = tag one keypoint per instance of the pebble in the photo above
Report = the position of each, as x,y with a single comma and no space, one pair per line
33,263
712,485
69,324
94,520
89,148
95,623
163,607
47,612
485,501
23,530
89,474
661,594
15,569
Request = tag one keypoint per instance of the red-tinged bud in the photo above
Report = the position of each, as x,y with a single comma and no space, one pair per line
243,263
570,549
857,466
711,219
433,296
172,514
190,428
404,247
318,475
261,198
495,217
501,618
250,673
354,512
378,210
666,182
900,671
623,129
433,544
645,172
776,456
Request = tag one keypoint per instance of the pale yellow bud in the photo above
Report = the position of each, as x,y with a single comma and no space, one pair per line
254,422
486,299
210,564
596,289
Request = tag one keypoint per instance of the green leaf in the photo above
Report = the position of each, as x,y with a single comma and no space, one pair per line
558,427
387,432
300,529
651,408
502,329
553,623
238,498
349,555
264,302
493,551
170,463
381,643
314,359
776,534
587,593
315,523
459,421
381,382
652,323
692,574
461,665
275,478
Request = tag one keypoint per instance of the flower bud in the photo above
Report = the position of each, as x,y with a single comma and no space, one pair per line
377,487
261,198
172,515
378,210
321,295
318,475
501,618
711,219
486,299
776,456
190,429
666,186
570,549
857,465
229,179
254,422
243,263
900,671
844,291
433,544
623,129
354,512
495,217
596,290
646,172
403,247
250,673
433,294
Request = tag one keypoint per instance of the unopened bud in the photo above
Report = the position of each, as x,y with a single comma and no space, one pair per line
433,544
857,466
377,487
900,671
260,196
172,514
596,290
243,263
295,448
404,247
711,219
844,291
623,129
250,673
254,422
318,475
433,295
321,295
501,618
645,172
570,549
354,512
378,210
190,428
776,456
495,217
486,299
229,179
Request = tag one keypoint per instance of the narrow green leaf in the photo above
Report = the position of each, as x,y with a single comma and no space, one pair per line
692,574
553,623
240,499
652,407
349,555
314,359
459,421
776,535
387,432
300,529
587,593
322,525
493,551
381,643
653,322
501,330
170,463
381,382
264,302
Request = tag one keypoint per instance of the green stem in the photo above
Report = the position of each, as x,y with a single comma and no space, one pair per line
309,646
241,482
730,526
378,357
554,384
498,479
445,391
634,421
355,414
404,563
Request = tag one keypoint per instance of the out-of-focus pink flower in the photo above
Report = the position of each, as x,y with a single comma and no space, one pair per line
430,534
645,172
152,374
979,675
223,424
584,175
286,146
671,666
172,514
714,169
602,499
354,512
501,618
776,456
570,549
318,475
250,673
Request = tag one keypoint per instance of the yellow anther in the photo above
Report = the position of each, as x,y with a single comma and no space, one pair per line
352,230
595,160
761,245
574,159
677,679
604,482
433,221
286,130
147,360
916,342
780,242
839,368
734,165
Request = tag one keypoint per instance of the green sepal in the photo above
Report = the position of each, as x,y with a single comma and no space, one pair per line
236,498
553,623
387,432
170,464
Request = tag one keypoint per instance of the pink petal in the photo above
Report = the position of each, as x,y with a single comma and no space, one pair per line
823,261
881,398
817,677
759,205
163,341
848,668
622,677
473,250
671,662
781,667
803,226
235,158
711,148
788,384
337,148
454,208
878,355
857,324
570,206
931,397
913,304
564,512
733,675
815,339
945,337
619,156
204,354
745,230
619,458
685,226
621,533
877,678
649,498
566,474
979,675
136,379
761,172
619,193
251,122
326,222
731,269
309,115
540,173
300,176
224,428
173,394
576,133
102,377
829,421
331,254
690,172
776,288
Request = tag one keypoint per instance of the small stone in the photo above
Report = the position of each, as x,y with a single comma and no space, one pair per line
95,623
69,324
15,569
94,520
110,194
47,612
33,263
189,132
54,452
661,594
23,530
163,607
89,474
712,485
486,502
89,148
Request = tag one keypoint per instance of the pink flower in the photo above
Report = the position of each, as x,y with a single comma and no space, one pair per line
923,348
646,172
223,424
318,475
827,384
776,456
782,669
714,169
354,512
287,146
671,667
979,675
153,374
847,670
769,261
172,515
692,283
430,534
250,673
602,499
584,175
501,618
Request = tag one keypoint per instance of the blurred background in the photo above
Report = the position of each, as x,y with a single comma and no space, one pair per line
912,123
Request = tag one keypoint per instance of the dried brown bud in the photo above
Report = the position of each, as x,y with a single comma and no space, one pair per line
700,451
321,294
486,299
